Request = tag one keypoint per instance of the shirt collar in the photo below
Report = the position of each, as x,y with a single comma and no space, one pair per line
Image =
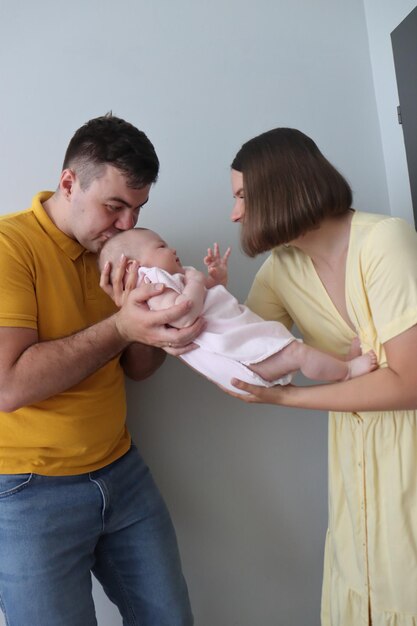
69,246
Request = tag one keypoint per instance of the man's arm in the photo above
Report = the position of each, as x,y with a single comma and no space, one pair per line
140,361
31,371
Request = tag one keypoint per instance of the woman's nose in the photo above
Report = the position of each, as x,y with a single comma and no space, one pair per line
237,213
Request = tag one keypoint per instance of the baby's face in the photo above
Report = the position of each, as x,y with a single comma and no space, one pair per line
155,252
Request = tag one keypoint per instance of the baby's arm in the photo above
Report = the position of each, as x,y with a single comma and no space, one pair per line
194,290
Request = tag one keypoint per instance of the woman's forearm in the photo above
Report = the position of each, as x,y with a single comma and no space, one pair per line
381,390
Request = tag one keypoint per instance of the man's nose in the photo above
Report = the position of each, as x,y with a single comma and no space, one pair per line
126,220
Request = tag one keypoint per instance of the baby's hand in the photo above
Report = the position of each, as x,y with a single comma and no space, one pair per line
216,266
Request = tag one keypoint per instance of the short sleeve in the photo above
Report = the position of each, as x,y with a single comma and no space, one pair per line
389,262
263,298
18,306
157,275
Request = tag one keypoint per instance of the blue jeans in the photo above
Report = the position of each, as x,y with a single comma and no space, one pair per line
112,522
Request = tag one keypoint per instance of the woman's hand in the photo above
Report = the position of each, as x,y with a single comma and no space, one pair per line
124,280
279,394
216,266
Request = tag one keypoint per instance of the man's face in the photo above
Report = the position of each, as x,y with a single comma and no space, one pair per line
105,208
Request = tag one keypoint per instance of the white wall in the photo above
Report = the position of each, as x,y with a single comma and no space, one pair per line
246,485
382,17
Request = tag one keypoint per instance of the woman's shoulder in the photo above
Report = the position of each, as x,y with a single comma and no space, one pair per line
367,226
375,234
370,221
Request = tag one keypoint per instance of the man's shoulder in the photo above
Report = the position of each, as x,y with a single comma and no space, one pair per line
20,235
16,222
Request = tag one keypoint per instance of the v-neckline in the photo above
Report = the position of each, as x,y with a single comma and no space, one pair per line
347,326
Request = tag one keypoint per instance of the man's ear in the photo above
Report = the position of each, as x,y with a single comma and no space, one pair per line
66,182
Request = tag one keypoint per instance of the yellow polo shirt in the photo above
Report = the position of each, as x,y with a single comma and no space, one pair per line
370,566
50,283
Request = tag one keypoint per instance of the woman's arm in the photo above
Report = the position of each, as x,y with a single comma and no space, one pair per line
390,388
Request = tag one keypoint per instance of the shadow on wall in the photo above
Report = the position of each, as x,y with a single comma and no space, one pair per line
240,481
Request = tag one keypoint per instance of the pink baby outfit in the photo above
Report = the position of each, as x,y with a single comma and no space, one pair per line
233,338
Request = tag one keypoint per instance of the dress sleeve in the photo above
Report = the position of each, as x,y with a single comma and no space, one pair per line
389,262
264,298
18,306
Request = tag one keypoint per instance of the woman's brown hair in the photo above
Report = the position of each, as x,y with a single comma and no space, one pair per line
289,189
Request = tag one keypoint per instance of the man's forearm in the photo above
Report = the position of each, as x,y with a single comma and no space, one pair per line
45,369
140,361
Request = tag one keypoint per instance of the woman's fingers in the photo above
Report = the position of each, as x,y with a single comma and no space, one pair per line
279,394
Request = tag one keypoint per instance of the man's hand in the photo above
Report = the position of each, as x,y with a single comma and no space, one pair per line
124,280
216,266
135,322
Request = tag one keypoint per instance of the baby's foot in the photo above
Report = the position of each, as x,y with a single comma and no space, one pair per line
362,365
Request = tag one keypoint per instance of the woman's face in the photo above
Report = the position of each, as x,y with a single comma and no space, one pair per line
238,211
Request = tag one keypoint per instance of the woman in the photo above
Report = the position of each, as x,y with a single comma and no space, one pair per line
339,274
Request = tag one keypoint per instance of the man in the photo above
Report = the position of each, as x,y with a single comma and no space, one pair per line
75,495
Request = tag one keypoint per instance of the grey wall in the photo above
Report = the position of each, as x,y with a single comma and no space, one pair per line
246,485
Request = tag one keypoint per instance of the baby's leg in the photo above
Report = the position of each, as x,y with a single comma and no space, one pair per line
313,363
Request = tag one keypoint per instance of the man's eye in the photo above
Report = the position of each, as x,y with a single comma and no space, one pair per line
113,208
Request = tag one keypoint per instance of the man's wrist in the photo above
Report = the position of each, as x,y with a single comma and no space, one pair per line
120,331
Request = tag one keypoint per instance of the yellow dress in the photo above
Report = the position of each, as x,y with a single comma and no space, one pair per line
370,568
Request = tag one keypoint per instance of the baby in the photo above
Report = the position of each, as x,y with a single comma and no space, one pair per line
236,342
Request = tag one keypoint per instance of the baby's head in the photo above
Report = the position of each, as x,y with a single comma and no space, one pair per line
141,245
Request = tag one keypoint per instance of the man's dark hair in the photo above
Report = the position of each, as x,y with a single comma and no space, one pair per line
109,140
